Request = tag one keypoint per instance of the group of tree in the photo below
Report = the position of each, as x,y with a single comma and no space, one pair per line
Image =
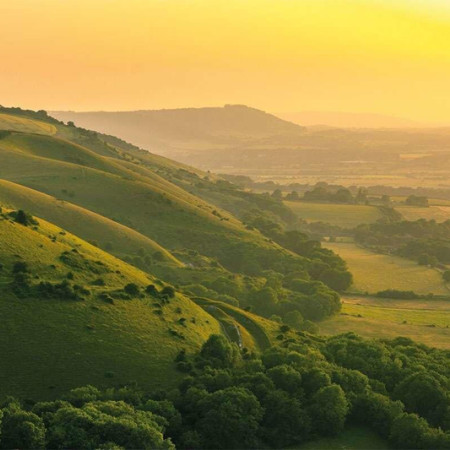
341,195
425,241
298,391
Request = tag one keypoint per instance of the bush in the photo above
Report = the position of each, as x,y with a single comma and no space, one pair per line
168,291
132,289
24,218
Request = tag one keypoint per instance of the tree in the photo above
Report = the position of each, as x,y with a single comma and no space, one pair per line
168,291
293,196
286,378
294,319
277,194
446,276
423,394
336,279
229,418
285,422
112,422
218,351
329,410
265,300
24,218
132,289
410,431
377,411
21,429
151,290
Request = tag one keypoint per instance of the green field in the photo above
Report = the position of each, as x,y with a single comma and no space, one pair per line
426,321
439,213
374,272
346,216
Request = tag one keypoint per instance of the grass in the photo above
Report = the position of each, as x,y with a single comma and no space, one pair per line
439,213
374,272
24,124
352,438
116,238
426,321
346,216
51,345
133,195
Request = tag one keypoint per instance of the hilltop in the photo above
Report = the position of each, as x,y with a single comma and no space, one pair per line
194,128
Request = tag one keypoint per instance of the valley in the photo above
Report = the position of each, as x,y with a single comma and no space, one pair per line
134,282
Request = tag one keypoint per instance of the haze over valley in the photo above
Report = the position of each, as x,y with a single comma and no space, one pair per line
225,225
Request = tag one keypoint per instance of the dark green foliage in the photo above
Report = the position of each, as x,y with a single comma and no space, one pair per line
329,410
20,267
394,293
132,289
114,423
292,394
151,290
323,194
416,200
218,351
21,429
424,241
24,218
168,291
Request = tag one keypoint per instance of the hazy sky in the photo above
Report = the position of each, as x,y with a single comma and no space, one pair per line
382,56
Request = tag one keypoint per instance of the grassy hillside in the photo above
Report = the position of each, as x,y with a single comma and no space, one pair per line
25,124
374,272
51,342
427,322
346,216
112,236
137,198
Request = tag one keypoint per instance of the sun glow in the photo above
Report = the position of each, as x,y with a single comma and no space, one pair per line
349,55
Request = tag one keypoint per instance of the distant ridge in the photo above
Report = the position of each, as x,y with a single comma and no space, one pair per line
185,127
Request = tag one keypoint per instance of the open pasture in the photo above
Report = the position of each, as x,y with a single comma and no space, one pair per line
373,272
425,321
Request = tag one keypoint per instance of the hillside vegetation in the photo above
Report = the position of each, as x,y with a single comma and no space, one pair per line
67,317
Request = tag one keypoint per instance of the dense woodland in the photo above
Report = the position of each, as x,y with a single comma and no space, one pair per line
287,395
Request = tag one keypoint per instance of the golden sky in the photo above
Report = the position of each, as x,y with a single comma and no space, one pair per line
381,56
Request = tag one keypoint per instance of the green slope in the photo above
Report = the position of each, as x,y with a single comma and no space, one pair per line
116,238
49,345
138,198
25,124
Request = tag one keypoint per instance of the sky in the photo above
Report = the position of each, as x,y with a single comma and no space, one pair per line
387,57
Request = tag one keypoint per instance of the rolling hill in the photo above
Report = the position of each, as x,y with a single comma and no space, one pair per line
195,128
131,194
66,319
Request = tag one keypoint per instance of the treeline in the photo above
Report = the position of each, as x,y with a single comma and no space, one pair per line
424,241
302,390
376,190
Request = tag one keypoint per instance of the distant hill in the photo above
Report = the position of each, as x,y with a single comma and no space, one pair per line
185,128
